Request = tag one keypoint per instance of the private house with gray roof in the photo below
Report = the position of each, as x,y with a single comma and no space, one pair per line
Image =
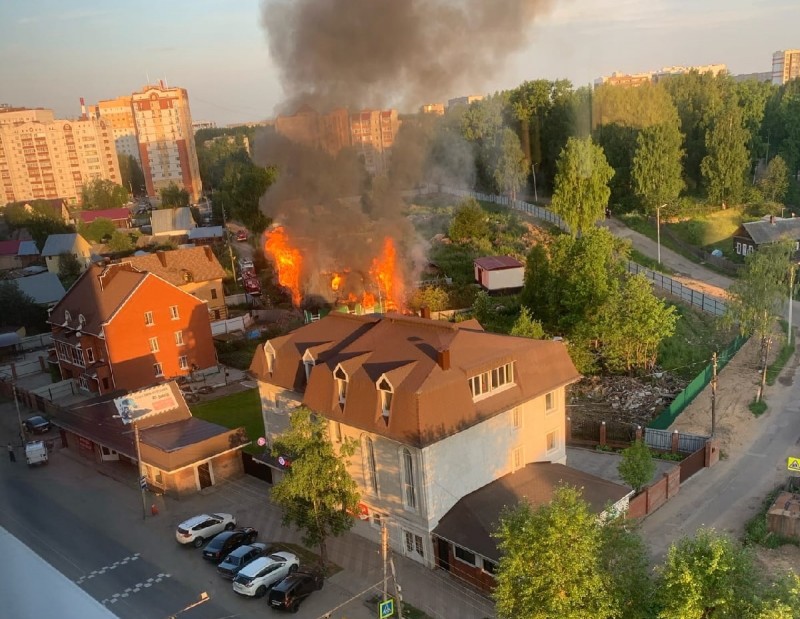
439,411
57,244
181,454
44,288
172,221
753,234
17,254
195,270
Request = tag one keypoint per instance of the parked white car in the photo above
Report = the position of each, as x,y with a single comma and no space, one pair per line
257,577
198,529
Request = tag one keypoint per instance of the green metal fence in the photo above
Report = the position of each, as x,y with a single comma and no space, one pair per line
685,397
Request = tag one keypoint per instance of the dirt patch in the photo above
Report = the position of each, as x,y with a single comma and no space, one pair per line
696,284
778,561
737,386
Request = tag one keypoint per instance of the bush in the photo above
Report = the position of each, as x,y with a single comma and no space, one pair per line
758,408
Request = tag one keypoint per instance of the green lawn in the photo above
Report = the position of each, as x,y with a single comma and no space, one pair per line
233,411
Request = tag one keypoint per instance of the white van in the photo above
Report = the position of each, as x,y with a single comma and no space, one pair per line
36,453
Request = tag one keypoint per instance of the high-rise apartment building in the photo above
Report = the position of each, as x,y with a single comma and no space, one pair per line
637,79
437,109
373,133
42,157
785,66
451,103
329,132
166,139
119,113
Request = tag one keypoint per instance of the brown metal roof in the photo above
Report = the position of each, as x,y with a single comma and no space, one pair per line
429,403
497,263
97,294
180,266
471,522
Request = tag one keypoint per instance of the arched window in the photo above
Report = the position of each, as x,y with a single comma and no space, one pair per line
81,319
370,469
67,316
308,364
409,479
341,383
269,353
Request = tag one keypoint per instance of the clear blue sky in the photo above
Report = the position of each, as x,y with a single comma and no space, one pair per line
54,51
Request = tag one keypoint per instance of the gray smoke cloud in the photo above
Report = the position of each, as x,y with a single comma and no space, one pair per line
375,53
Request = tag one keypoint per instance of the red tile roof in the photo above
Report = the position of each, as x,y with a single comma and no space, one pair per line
114,214
429,402
496,263
9,248
180,266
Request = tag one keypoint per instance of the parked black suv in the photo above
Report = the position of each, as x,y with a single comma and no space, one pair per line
226,542
293,589
37,424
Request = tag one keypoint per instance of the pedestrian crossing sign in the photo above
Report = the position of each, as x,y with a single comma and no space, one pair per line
386,608
793,464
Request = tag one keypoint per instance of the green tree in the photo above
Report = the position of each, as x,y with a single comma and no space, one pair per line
120,242
470,222
631,324
526,326
637,465
625,560
581,185
550,561
482,306
510,169
432,297
726,164
708,576
19,310
69,269
755,298
173,196
41,226
775,181
317,494
98,230
101,194
657,165
131,173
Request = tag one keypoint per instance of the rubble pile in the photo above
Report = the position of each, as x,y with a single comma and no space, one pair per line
623,398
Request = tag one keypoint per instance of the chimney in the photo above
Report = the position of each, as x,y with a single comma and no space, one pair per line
162,257
443,359
209,253
425,312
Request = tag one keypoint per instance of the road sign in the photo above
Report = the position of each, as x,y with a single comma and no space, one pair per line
793,464
386,609
143,482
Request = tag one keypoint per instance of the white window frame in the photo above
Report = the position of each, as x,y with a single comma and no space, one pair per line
158,369
473,563
183,362
516,417
179,338
342,379
484,384
148,319
174,312
269,353
413,544
550,402
90,355
409,481
554,448
153,343
517,458
386,391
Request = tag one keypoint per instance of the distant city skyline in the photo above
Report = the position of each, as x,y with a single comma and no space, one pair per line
56,53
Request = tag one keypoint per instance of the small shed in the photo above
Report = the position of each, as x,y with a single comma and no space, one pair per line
495,273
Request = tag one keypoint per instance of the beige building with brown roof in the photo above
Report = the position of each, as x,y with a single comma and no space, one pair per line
194,270
438,409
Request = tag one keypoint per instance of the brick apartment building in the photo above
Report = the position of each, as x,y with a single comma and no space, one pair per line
121,328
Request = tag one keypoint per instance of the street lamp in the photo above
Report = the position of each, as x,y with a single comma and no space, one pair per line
658,230
142,477
19,415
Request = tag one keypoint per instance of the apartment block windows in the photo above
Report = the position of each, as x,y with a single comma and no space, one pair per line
213,293
409,482
552,441
153,341
387,393
90,355
370,470
183,362
173,312
550,402
148,319
158,369
487,382
341,383
179,338
462,554
517,460
414,543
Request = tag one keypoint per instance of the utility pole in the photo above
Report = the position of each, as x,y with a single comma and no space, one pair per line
142,477
789,329
19,415
535,193
397,592
228,241
658,230
764,372
713,392
385,551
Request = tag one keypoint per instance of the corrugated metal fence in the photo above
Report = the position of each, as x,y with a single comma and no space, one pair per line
704,302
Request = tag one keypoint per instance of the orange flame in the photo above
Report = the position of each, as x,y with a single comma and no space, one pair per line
368,300
288,261
384,269
336,281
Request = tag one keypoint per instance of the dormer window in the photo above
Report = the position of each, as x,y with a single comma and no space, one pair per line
341,383
67,316
81,320
308,364
387,393
269,353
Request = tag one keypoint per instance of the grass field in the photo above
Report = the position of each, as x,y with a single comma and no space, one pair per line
233,411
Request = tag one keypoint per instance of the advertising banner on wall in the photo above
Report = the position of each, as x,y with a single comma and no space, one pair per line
137,404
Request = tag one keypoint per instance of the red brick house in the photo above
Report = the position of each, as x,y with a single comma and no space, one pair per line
121,328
